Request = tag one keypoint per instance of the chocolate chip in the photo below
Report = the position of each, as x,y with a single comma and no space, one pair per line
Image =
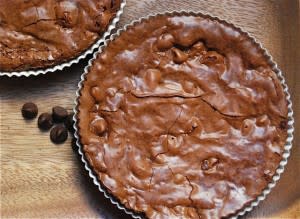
58,134
69,122
45,121
59,114
29,110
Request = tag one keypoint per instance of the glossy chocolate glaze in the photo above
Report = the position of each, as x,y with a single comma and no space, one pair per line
40,33
182,117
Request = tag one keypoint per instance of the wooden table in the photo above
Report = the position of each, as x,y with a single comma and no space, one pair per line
42,180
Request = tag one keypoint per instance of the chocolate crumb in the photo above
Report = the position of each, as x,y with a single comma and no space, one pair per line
58,134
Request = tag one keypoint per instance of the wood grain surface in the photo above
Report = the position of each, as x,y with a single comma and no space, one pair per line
43,180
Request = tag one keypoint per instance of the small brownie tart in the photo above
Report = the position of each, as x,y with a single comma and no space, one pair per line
182,116
40,34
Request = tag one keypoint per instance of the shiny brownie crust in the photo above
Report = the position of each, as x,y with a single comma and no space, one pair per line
183,117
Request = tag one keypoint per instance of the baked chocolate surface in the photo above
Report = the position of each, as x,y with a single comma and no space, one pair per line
42,33
180,117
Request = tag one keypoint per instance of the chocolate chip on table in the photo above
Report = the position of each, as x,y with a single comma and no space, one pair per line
69,122
59,114
29,110
58,134
45,121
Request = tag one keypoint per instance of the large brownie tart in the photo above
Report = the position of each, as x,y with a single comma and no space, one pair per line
38,34
183,117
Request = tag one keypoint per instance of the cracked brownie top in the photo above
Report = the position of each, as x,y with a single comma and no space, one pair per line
182,117
41,33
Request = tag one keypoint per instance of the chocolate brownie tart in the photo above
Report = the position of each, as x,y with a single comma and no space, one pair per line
183,117
39,34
